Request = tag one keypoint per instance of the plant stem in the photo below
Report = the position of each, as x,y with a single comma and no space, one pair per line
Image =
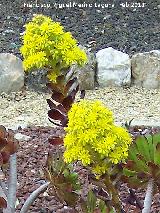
148,197
33,197
113,193
12,183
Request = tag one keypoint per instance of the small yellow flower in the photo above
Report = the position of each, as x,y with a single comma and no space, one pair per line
47,39
92,138
36,60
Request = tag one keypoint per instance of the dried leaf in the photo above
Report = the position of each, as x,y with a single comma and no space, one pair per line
57,96
56,115
1,159
55,141
53,121
2,131
5,156
67,102
70,84
54,106
82,95
3,203
11,147
3,143
51,104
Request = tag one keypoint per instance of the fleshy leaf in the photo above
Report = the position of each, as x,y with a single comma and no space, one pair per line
143,147
54,106
67,102
91,201
56,115
58,96
149,139
128,173
70,84
157,155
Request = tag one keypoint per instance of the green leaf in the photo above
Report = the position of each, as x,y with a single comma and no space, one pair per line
149,139
134,182
157,155
102,206
156,142
91,201
140,164
156,138
143,147
128,172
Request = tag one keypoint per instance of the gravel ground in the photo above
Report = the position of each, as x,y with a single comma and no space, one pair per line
32,156
30,107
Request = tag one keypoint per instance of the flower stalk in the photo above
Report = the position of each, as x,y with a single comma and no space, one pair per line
113,192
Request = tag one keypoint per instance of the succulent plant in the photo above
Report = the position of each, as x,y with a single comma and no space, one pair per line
8,145
143,163
62,178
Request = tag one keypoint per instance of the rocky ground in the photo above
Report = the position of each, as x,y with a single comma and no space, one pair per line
30,108
31,161
128,29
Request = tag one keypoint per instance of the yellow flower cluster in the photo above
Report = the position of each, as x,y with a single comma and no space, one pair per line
92,138
45,43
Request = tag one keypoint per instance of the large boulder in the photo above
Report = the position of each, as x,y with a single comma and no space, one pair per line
11,73
86,73
113,68
146,69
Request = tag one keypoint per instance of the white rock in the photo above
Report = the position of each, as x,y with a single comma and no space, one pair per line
113,68
11,73
18,125
146,69
21,137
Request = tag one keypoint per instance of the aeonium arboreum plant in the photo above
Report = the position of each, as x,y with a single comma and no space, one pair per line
8,147
142,168
94,139
63,179
47,45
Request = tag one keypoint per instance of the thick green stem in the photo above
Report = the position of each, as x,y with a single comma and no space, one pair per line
148,197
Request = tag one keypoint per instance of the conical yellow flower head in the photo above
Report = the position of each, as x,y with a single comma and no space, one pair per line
46,44
92,138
